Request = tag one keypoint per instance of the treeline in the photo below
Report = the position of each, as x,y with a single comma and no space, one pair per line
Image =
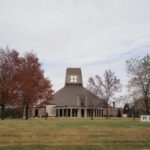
22,81
135,108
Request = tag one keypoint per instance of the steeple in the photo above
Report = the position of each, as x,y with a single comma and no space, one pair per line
73,76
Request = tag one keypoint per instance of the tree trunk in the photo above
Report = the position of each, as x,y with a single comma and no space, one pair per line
107,112
107,115
2,112
3,106
92,115
146,105
26,112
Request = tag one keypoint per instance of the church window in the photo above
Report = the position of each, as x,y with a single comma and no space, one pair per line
73,78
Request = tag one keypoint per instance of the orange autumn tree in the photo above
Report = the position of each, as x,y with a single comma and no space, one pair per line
33,88
9,62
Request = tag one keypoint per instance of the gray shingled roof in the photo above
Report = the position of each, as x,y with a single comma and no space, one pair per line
69,95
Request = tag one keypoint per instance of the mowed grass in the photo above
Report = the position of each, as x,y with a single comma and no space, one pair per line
74,134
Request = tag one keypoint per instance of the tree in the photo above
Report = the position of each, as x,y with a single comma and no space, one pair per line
32,88
8,64
22,81
138,70
105,88
127,110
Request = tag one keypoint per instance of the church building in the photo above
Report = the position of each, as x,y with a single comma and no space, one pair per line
73,100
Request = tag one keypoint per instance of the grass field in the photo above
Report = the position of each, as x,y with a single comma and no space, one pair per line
74,134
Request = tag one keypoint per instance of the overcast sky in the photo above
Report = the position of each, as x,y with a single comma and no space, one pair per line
94,35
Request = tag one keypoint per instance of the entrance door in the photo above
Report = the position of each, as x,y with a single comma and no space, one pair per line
36,112
82,112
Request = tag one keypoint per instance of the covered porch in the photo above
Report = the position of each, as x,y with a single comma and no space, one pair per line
79,112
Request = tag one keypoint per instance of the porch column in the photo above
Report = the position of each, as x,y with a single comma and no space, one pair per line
70,112
97,112
56,113
79,112
94,113
101,112
66,112
85,112
62,112
58,110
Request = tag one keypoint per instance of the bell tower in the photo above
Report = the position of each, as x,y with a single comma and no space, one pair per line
73,76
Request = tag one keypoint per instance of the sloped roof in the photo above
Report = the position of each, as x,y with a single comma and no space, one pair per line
69,95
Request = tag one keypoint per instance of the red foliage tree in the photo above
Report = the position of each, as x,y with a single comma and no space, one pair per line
32,88
22,81
9,61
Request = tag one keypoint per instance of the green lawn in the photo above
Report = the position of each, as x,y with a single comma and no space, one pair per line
74,134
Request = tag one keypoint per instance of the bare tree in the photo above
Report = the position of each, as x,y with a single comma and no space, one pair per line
138,70
93,105
105,88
